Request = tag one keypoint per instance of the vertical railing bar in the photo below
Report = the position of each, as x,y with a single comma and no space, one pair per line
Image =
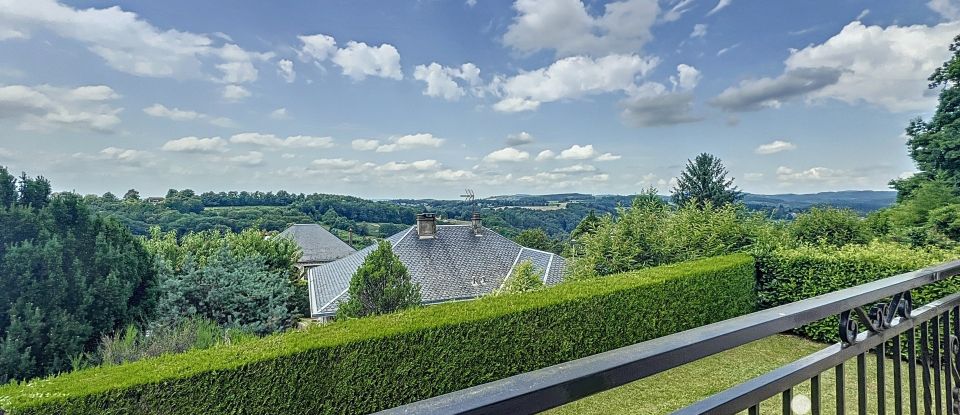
840,389
881,377
862,383
947,382
755,409
897,377
925,366
787,398
815,395
937,364
912,369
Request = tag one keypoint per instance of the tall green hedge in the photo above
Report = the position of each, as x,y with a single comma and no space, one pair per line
364,365
788,275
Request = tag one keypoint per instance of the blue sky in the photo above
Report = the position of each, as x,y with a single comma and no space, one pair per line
424,99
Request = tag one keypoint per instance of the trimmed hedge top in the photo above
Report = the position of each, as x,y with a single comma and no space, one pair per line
375,363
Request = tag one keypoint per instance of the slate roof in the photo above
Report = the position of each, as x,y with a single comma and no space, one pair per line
318,244
455,265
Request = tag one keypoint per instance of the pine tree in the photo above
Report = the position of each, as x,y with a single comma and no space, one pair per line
704,180
381,285
8,188
525,277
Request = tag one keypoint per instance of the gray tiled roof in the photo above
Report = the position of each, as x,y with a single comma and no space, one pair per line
317,244
454,265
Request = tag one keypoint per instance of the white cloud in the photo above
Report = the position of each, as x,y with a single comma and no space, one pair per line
519,139
357,60
128,43
546,155
336,164
47,108
608,157
175,114
576,169
285,69
252,158
453,175
886,67
235,93
775,146
722,4
862,14
651,104
699,30
196,145
752,177
410,141
578,152
687,77
364,145
419,165
273,142
507,154
813,174
677,11
279,114
441,80
571,78
566,27
948,9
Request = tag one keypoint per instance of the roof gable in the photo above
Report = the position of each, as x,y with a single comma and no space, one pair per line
317,244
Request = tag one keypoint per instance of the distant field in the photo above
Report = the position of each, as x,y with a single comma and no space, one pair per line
552,206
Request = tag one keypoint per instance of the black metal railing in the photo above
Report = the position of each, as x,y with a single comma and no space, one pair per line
924,339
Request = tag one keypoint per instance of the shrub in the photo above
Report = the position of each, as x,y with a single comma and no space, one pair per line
525,277
788,275
829,226
134,344
369,364
380,286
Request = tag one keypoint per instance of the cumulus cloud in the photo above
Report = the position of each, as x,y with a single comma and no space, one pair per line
578,152
699,30
546,155
775,146
252,158
177,114
279,114
572,78
608,157
235,93
128,43
651,104
48,108
519,139
752,95
442,80
420,165
273,142
566,27
196,145
364,145
122,157
507,154
285,69
410,141
576,169
357,60
814,174
886,67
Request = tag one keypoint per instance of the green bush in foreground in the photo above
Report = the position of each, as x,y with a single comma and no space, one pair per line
368,364
788,275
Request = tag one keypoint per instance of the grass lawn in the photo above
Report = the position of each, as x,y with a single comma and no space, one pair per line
671,390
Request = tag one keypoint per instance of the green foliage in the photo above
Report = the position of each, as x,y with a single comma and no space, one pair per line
8,188
829,226
650,234
704,180
788,275
132,195
525,277
536,238
380,286
68,277
365,365
34,192
133,344
587,226
278,254
910,221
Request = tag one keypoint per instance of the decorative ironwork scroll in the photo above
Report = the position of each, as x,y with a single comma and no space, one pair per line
878,318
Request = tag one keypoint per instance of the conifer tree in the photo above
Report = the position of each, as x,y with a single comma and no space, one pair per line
703,181
381,285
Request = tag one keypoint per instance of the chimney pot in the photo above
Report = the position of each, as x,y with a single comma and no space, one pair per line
427,225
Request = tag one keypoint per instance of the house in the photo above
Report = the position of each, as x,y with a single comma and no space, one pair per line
319,246
449,262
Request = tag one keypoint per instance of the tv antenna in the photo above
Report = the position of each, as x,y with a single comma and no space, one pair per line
469,197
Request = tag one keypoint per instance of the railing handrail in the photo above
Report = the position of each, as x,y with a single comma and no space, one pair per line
556,385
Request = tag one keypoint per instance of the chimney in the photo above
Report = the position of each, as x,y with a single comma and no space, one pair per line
475,221
427,225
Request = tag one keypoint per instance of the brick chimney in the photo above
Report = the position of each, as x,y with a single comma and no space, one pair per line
427,225
477,227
